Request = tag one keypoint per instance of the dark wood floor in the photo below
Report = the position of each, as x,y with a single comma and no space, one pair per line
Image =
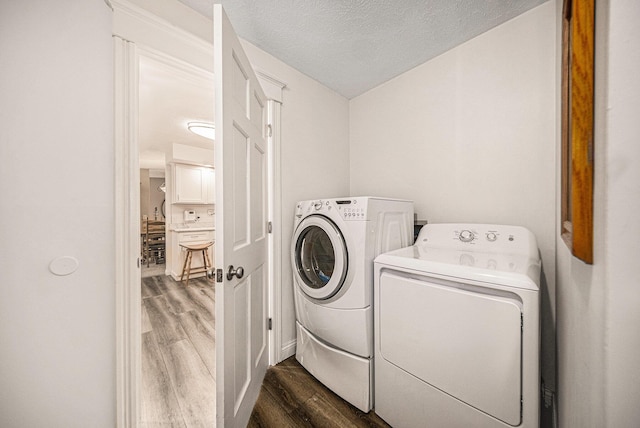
178,353
291,397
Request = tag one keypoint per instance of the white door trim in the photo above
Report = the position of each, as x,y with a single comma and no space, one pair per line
273,88
275,234
127,229
139,32
151,30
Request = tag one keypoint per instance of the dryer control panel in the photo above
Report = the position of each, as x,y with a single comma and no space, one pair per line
478,237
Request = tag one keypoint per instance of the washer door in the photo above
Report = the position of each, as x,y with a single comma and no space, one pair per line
319,257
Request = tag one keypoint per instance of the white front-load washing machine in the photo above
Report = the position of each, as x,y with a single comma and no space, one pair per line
457,330
333,247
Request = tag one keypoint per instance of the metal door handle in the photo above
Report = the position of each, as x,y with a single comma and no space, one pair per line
238,272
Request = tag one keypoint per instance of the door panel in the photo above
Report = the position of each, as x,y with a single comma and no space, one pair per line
241,321
240,150
239,187
240,84
258,192
258,314
257,107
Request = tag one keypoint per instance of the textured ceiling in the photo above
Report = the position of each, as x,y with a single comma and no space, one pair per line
352,46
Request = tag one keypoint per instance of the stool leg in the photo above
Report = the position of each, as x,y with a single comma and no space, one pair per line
205,259
189,268
205,253
184,266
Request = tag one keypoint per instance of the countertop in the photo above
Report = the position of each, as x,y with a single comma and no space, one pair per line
191,228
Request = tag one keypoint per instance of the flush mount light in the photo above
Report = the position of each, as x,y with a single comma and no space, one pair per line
206,130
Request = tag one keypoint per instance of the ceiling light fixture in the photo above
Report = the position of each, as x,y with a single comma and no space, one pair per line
206,130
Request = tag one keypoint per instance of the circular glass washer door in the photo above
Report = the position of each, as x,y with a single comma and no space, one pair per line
319,257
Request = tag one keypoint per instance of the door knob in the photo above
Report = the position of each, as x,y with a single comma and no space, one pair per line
238,272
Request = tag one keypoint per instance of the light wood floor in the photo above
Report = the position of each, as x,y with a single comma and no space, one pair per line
178,353
152,270
178,369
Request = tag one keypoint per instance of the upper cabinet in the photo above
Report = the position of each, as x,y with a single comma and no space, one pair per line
193,184
210,185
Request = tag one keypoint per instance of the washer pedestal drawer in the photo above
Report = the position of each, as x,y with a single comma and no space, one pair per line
350,330
347,375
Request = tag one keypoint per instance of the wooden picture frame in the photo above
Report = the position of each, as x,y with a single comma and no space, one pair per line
577,127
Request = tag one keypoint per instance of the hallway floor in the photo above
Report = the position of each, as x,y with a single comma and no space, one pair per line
178,353
152,270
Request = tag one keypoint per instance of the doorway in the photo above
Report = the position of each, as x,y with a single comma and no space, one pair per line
177,317
138,33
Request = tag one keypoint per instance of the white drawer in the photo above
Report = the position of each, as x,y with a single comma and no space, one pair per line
196,236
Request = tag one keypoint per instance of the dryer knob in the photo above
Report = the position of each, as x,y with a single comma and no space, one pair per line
318,205
466,236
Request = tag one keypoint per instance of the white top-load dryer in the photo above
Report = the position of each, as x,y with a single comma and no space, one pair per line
456,321
332,251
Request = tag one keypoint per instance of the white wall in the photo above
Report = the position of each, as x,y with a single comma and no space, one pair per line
598,317
156,197
470,137
57,334
314,155
622,181
581,294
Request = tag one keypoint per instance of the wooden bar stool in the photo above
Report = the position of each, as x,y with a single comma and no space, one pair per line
190,249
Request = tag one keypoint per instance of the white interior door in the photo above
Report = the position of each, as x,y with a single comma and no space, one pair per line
241,228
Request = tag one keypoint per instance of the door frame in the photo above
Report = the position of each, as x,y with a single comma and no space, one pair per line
137,32
273,89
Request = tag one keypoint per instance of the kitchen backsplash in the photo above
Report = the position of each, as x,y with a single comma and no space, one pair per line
205,215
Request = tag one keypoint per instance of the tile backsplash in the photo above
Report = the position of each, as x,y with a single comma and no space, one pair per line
205,215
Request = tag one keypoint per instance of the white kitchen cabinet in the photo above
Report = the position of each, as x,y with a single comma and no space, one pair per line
178,253
193,184
210,184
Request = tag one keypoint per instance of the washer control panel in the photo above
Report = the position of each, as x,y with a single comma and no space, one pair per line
353,213
348,209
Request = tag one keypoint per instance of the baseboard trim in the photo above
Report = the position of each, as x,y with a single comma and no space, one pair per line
288,349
